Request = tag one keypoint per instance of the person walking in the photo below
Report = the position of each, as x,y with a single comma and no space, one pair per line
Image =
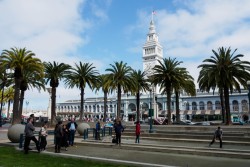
43,135
72,126
29,135
217,135
118,131
137,132
58,136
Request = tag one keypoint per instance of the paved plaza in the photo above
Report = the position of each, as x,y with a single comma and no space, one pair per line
104,150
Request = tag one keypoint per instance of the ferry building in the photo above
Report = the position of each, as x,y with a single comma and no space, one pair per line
202,107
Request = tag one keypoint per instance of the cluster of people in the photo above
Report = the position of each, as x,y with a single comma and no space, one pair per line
64,135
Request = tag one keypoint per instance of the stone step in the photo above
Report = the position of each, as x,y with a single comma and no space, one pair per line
188,136
229,153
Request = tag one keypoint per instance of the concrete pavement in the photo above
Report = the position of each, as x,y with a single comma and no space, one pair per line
130,154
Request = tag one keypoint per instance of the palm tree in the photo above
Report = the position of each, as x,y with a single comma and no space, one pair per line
139,83
166,74
119,79
185,82
9,97
228,72
54,72
206,83
19,60
103,84
82,75
31,79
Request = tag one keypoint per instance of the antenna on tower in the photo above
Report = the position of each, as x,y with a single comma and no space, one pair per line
153,13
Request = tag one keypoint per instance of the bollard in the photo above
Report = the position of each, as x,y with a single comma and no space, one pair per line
84,134
21,141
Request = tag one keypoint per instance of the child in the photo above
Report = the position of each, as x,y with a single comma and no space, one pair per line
43,136
65,137
137,132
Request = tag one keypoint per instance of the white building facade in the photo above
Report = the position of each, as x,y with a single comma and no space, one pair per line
202,107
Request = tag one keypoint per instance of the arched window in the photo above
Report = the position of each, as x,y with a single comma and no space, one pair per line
209,105
235,105
194,106
202,105
187,106
244,105
217,105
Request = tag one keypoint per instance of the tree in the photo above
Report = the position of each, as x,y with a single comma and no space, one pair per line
9,97
103,85
19,60
228,72
139,83
166,74
82,75
184,82
54,72
119,79
31,79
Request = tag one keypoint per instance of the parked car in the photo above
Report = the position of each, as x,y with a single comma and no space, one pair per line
204,123
189,122
179,123
110,125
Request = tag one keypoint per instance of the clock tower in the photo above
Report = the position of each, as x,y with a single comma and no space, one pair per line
152,50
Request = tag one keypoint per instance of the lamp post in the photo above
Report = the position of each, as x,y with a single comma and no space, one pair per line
150,112
27,103
248,84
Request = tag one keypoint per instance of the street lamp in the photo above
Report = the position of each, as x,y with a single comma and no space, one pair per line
150,112
248,84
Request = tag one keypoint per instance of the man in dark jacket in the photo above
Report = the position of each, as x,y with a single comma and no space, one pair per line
118,131
29,135
58,136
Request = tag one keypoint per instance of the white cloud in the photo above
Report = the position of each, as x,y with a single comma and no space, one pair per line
194,28
51,29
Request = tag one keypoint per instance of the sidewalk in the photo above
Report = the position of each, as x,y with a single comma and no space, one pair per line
120,154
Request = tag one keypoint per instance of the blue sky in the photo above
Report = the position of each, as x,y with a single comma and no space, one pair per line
104,31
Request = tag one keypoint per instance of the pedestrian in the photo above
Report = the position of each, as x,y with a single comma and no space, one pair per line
97,130
58,137
43,135
173,117
137,132
217,135
118,131
29,135
34,118
72,126
65,138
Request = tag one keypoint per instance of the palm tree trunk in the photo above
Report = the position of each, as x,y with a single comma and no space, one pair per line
8,112
222,105
138,106
21,102
119,102
53,106
169,105
177,106
227,106
16,113
82,103
105,105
